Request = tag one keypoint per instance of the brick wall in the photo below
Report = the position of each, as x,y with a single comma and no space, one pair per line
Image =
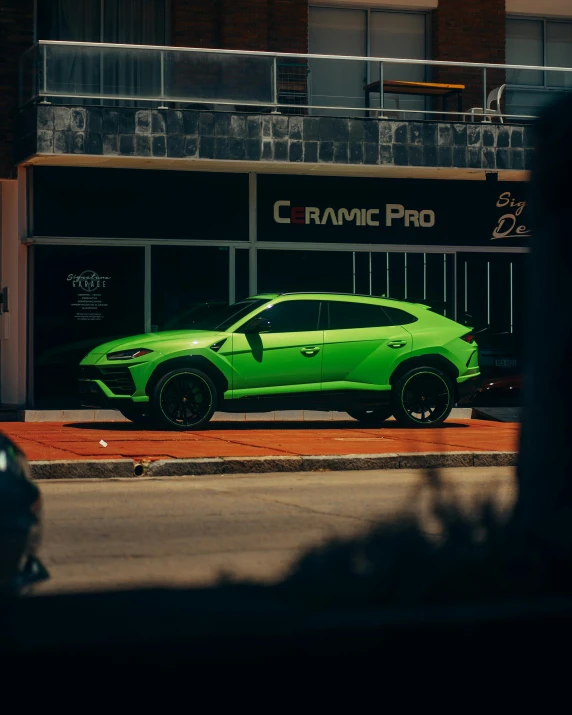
275,25
259,25
195,23
472,31
288,26
16,35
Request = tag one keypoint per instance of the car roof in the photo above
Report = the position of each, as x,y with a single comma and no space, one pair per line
318,295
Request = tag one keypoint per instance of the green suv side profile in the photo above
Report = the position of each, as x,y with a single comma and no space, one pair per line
370,357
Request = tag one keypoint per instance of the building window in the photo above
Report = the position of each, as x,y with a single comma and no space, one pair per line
109,72
364,33
134,22
540,42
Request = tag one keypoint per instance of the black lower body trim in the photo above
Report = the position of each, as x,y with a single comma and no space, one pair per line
327,401
92,396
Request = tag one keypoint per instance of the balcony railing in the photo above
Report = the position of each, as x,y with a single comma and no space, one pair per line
278,82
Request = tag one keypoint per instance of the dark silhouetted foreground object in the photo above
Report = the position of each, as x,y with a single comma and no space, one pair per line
544,507
20,522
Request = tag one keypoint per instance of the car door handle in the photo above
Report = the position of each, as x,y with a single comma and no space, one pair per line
310,352
397,343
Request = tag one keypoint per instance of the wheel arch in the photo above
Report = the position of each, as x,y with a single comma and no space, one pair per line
432,360
197,361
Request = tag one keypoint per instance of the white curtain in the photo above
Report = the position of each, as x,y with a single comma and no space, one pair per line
112,72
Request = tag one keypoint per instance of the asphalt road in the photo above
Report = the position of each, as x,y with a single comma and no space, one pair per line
187,531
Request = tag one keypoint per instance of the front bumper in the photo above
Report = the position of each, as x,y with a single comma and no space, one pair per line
107,386
467,389
92,395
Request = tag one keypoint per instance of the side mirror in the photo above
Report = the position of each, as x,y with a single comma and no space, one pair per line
258,325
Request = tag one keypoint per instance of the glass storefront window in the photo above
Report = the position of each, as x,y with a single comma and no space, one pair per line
424,278
189,284
491,299
83,296
305,270
241,274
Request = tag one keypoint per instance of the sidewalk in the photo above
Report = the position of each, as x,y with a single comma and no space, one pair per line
74,442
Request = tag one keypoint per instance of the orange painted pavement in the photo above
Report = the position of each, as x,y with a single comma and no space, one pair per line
67,441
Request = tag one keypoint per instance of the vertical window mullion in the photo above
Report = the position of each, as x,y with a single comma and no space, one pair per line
368,44
544,51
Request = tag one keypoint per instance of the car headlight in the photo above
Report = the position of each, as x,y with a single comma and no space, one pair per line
128,354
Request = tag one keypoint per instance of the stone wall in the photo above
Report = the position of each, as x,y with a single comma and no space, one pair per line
225,136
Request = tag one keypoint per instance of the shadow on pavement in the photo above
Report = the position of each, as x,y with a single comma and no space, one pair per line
249,426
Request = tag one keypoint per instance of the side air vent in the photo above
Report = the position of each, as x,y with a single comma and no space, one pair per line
217,346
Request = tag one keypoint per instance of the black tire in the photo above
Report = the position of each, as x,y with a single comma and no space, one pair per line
136,415
372,417
184,399
423,397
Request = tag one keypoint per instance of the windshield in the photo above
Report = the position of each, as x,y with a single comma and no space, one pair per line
209,317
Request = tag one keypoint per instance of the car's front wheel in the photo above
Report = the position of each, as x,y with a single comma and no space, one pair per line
184,399
423,397
371,417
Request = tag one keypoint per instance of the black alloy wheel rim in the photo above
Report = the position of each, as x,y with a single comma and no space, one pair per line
425,397
185,399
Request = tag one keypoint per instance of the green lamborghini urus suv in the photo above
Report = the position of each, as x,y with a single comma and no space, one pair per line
370,357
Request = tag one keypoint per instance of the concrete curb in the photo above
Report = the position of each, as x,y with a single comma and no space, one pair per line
126,468
80,469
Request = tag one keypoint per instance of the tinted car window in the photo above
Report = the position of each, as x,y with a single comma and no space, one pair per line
345,316
293,316
209,317
400,317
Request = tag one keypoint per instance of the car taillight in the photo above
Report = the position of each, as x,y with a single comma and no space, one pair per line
468,338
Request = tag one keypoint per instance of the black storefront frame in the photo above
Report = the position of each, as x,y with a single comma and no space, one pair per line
252,246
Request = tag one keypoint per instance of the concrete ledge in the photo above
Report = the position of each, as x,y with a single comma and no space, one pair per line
126,468
79,469
459,413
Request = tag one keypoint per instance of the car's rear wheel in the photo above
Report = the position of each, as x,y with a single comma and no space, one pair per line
136,415
423,397
371,417
184,399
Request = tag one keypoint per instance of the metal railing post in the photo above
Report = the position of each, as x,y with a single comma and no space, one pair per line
484,94
275,85
45,79
163,105
381,97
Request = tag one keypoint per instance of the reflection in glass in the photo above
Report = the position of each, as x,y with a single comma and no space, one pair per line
189,284
83,296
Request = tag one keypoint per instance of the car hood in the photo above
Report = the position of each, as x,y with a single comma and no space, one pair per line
158,341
